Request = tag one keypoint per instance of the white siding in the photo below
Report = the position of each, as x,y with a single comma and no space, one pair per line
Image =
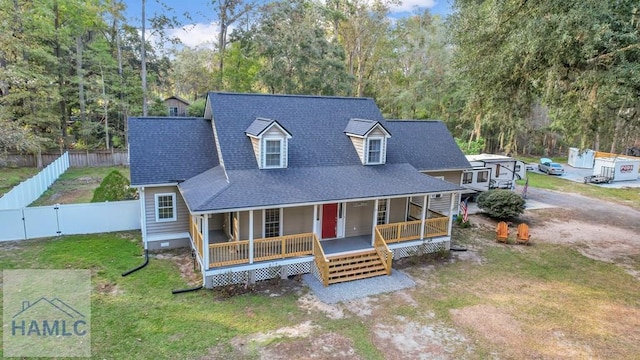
165,227
358,144
256,148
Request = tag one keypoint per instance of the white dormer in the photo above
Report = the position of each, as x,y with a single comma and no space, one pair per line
369,138
270,143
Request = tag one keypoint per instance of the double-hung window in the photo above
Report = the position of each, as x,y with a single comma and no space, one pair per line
374,151
273,153
165,207
271,223
383,210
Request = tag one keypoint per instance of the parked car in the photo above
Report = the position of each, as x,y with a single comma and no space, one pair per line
548,166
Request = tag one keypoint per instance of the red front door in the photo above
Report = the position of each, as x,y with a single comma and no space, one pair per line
329,220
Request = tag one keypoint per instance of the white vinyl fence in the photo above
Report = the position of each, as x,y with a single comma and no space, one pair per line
31,189
54,220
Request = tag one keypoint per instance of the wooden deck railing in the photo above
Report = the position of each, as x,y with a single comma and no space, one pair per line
383,251
196,236
437,225
237,252
321,261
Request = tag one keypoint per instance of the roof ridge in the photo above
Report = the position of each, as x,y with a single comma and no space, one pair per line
289,95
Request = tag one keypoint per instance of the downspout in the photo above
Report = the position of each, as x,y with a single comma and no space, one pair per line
143,226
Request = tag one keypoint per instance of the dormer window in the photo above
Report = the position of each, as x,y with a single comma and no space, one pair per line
273,153
369,138
270,143
374,151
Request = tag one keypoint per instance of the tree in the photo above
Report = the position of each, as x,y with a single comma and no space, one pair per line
114,187
228,11
501,204
297,57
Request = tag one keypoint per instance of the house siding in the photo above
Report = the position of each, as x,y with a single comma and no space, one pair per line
358,218
443,203
180,225
182,107
398,209
298,220
358,144
255,143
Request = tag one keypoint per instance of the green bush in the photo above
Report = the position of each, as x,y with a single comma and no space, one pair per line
114,187
501,204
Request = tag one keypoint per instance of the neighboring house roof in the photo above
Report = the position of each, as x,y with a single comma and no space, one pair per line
259,188
362,127
178,99
425,144
169,149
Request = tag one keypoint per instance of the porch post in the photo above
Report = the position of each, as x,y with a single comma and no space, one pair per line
374,223
453,203
422,216
315,220
250,236
205,240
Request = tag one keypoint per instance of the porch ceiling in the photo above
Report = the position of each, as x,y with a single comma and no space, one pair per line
264,188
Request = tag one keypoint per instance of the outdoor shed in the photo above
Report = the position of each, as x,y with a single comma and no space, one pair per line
619,168
581,159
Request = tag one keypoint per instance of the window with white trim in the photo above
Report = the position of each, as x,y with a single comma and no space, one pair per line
165,207
383,211
271,223
272,153
374,151
173,111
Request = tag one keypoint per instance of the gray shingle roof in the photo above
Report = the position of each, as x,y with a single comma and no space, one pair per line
169,149
425,144
316,124
264,188
259,125
361,126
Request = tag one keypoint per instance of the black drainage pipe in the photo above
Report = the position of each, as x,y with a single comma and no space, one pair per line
146,261
186,290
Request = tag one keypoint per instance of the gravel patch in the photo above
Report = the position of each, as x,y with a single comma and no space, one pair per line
352,290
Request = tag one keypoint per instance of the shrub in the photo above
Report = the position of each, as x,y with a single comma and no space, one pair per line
114,187
501,204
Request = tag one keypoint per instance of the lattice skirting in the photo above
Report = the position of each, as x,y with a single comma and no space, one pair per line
261,274
425,248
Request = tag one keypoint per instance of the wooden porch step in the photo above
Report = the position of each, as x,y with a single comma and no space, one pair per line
356,266
335,280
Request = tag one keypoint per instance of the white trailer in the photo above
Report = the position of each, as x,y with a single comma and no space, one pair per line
617,168
491,171
581,159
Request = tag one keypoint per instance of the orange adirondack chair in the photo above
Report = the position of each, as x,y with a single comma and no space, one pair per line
502,232
523,234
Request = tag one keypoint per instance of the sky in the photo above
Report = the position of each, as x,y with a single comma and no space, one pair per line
203,28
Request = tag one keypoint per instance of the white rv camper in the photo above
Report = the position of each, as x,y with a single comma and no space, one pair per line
492,172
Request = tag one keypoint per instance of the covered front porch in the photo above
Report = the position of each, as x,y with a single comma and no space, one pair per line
223,243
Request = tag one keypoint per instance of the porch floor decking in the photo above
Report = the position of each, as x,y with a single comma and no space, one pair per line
354,243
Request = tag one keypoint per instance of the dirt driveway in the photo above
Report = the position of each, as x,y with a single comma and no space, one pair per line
599,230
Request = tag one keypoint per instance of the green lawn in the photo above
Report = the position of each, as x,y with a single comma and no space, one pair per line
76,185
545,288
10,177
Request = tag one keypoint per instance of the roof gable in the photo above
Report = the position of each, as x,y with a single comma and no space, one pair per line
364,127
261,125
